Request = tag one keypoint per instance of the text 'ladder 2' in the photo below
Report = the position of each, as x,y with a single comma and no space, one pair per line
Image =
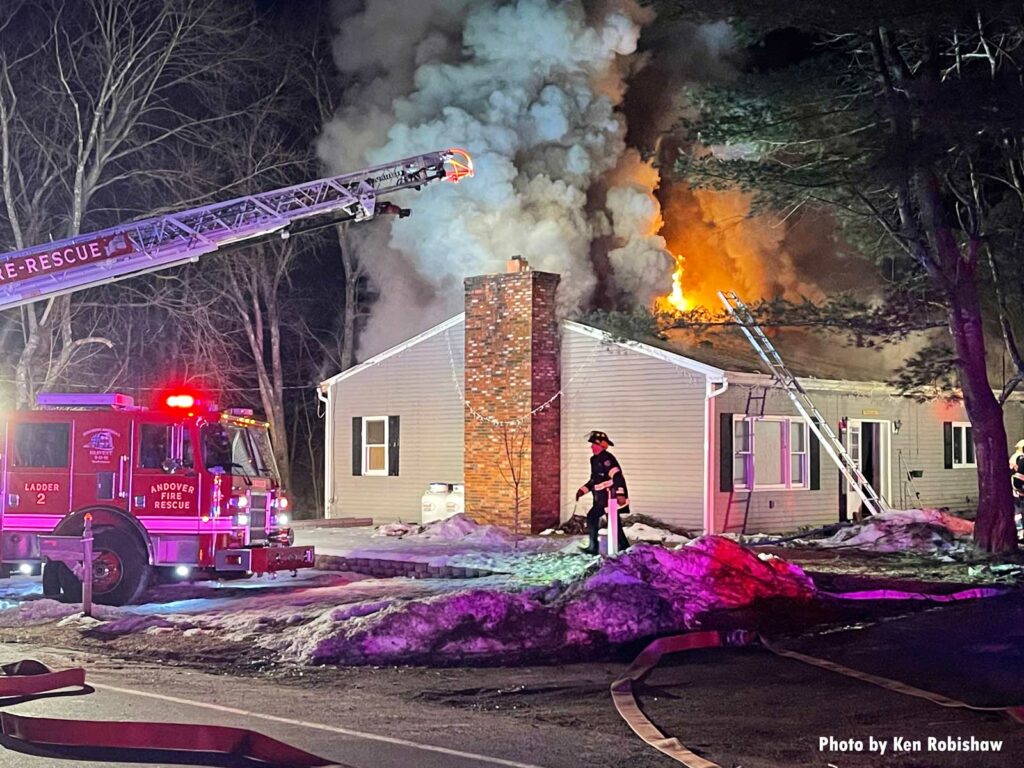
804,405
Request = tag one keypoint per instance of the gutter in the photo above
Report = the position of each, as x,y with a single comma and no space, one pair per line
709,426
328,402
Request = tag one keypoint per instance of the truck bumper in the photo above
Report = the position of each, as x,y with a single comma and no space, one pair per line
262,560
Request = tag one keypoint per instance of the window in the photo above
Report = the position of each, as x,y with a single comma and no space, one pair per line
41,445
228,447
375,446
770,452
154,445
963,445
157,444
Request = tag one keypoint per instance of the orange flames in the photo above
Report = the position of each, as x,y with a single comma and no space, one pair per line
676,300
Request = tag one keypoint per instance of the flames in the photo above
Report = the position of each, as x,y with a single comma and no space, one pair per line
676,300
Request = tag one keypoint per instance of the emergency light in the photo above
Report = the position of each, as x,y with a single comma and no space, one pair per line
180,401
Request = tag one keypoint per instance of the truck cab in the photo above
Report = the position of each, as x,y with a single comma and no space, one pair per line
183,490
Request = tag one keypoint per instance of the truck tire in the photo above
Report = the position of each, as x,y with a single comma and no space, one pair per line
120,570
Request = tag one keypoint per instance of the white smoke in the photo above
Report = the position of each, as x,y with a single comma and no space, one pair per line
530,88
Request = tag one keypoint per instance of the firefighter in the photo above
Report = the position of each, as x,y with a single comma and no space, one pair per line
1017,482
605,478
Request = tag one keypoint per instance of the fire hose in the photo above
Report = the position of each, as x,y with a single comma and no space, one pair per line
84,739
625,702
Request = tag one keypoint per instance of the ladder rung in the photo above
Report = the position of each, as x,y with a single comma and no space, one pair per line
804,405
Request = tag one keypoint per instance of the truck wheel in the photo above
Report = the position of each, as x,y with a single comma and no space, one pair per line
120,571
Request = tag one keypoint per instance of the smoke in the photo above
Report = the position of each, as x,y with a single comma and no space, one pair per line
532,89
549,96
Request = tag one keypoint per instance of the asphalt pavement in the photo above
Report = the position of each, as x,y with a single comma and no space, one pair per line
311,719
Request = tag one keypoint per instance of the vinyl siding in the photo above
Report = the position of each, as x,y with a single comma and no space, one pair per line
654,413
415,384
917,446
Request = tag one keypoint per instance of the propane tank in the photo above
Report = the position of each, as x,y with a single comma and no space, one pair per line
455,502
433,504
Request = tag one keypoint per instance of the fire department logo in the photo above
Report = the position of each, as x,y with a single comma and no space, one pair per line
100,444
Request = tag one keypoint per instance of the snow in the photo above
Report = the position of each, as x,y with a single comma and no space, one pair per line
455,541
651,534
545,600
647,591
922,531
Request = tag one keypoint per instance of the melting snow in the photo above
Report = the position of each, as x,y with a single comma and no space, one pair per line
545,600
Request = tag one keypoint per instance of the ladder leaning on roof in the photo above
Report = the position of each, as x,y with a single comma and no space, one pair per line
804,405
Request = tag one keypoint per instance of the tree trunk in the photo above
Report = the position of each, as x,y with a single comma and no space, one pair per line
351,308
953,266
994,529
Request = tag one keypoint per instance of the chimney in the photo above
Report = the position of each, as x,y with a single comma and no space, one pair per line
517,264
512,368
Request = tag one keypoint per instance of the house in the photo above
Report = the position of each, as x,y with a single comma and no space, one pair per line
504,394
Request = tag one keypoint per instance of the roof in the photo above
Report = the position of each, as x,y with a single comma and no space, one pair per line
807,353
451,322
820,360
667,356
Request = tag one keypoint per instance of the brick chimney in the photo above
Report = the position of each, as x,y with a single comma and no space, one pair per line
512,367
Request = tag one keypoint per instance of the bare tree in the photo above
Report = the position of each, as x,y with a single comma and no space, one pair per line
92,94
511,468
351,310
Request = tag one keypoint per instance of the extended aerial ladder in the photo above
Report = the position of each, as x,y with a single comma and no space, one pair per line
160,242
833,446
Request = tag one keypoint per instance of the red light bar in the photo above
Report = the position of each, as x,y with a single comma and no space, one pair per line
180,401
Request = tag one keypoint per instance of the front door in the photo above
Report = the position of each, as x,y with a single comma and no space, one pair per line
102,455
165,486
869,445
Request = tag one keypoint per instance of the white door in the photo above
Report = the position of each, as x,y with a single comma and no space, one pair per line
882,464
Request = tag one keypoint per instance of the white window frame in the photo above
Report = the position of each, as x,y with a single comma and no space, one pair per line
786,458
367,472
960,436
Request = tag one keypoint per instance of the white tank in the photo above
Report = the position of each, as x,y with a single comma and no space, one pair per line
455,503
433,505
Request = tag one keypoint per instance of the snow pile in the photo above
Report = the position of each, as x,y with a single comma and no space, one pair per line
647,591
465,529
922,531
651,589
653,535
31,612
396,529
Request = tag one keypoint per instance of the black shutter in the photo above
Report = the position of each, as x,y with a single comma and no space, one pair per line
815,461
947,444
393,441
725,452
357,445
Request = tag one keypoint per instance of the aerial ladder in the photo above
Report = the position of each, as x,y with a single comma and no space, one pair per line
160,242
873,502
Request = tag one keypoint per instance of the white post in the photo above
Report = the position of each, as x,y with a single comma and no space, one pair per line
613,525
87,566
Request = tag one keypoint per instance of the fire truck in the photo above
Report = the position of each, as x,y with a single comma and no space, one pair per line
183,488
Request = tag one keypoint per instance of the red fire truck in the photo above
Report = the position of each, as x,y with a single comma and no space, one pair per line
184,487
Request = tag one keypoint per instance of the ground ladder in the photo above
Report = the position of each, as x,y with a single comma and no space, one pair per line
873,503
751,413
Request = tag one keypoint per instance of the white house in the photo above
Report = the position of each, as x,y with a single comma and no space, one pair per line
706,439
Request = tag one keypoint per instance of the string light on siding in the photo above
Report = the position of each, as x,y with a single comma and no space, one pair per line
522,419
